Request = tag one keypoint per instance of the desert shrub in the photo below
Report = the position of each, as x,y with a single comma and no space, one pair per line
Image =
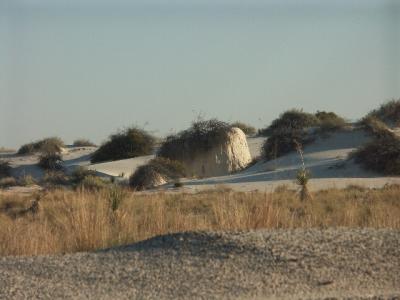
200,137
26,180
128,143
375,126
246,128
93,183
53,178
80,173
7,182
329,121
5,168
83,143
291,120
388,113
51,161
282,143
51,144
158,167
381,155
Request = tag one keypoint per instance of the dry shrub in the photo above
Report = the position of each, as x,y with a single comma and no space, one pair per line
199,138
51,161
71,221
5,169
6,182
381,155
51,144
129,143
329,121
83,143
389,113
159,167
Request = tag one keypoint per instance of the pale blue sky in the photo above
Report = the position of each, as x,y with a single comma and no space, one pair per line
86,68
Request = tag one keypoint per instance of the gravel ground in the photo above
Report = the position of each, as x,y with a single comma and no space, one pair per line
278,264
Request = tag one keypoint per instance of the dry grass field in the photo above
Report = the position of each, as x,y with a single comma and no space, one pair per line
72,221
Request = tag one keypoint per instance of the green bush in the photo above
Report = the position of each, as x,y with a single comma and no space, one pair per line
291,120
389,113
381,155
52,144
282,143
164,167
200,137
129,143
83,143
246,128
329,121
5,169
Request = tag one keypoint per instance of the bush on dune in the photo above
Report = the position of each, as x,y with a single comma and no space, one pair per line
157,169
128,143
381,155
329,121
291,120
388,113
83,143
48,144
199,138
246,128
51,160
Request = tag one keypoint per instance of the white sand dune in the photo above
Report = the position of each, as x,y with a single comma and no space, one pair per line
326,158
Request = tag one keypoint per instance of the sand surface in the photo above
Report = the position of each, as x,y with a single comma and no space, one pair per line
326,159
278,264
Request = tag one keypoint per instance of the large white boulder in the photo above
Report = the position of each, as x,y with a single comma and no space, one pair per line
230,154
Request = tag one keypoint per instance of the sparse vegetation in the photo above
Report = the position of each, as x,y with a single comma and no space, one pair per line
388,113
291,120
53,179
83,143
159,168
72,221
80,173
200,137
52,144
93,183
246,128
129,143
51,161
26,180
329,121
381,155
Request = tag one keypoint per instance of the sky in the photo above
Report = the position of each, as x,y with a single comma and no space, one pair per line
85,69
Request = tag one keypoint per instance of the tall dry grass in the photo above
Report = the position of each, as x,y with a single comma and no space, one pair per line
71,221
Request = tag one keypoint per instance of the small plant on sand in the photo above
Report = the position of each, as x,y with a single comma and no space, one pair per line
26,180
93,183
246,128
55,178
303,175
129,143
83,143
158,171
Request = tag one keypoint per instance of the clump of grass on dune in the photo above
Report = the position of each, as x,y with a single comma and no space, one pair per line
86,220
51,144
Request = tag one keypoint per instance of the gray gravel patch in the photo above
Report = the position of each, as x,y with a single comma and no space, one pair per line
277,264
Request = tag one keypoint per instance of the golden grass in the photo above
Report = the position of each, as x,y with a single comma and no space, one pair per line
71,221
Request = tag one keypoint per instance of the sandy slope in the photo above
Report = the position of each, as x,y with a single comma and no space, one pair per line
277,264
327,159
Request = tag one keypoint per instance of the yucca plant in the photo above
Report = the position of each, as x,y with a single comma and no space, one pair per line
303,175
